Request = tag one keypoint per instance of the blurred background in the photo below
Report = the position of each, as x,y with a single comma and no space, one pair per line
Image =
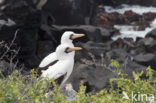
123,30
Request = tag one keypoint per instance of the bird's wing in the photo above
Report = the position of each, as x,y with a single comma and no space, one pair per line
48,59
55,71
58,71
39,70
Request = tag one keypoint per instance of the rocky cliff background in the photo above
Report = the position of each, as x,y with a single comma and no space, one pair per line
32,29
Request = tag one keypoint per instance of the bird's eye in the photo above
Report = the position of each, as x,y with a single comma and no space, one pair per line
71,36
66,50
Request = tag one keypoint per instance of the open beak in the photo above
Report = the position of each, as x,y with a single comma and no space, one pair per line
77,36
74,49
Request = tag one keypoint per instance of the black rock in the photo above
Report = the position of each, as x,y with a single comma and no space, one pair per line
146,59
95,78
151,34
148,43
122,44
27,23
93,66
45,47
71,12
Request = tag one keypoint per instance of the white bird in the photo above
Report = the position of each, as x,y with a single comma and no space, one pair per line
62,69
67,38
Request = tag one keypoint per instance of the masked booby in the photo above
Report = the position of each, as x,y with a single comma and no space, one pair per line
63,67
67,38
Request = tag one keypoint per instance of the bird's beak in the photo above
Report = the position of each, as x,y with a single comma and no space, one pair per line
77,36
74,49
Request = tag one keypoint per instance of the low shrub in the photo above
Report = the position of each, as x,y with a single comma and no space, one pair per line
16,88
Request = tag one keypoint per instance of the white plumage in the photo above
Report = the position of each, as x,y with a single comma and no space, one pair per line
67,38
65,63
48,59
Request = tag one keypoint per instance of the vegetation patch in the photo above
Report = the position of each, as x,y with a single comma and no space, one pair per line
16,88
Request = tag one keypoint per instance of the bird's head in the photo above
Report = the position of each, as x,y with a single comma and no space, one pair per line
63,51
69,36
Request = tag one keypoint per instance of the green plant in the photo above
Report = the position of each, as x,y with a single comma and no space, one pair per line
16,88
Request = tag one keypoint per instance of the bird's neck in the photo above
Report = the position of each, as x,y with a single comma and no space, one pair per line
71,59
66,41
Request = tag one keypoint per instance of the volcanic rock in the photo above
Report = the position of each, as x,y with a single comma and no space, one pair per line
131,16
151,34
147,59
149,16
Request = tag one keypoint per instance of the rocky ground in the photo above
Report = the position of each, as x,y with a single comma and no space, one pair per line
38,28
